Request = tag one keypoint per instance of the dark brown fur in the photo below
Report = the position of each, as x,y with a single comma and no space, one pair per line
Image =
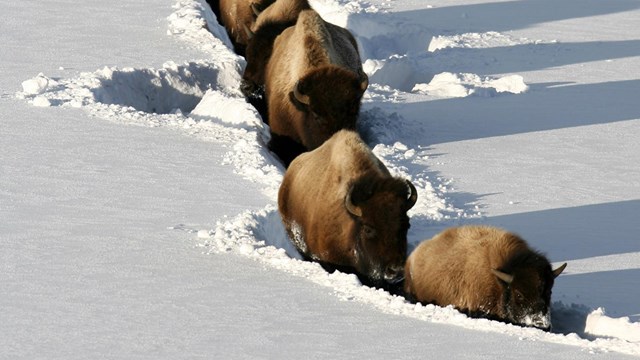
312,200
323,59
269,24
215,7
258,53
235,15
455,268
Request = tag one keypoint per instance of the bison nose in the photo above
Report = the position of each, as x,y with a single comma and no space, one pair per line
394,274
541,321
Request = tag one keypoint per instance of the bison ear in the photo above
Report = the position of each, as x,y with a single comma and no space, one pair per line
248,31
255,9
559,270
364,82
507,278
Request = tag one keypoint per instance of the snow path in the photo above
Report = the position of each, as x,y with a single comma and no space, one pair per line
174,97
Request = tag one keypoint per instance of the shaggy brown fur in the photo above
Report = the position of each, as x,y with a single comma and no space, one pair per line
313,204
269,24
456,268
323,61
283,11
235,15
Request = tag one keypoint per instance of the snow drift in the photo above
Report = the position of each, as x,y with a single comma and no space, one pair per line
201,99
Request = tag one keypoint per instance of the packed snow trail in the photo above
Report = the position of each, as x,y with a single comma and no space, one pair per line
201,98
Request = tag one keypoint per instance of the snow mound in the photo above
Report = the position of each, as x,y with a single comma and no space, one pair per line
489,39
379,127
598,324
254,233
247,135
160,91
448,85
408,163
379,33
404,55
38,85
199,98
595,325
400,72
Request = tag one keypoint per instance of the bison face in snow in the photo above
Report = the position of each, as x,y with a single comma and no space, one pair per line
381,225
330,97
527,292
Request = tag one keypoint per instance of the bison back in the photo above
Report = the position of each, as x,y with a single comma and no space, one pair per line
454,268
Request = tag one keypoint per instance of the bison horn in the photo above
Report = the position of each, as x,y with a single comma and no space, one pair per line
255,9
503,276
348,203
299,96
413,195
559,270
248,31
364,83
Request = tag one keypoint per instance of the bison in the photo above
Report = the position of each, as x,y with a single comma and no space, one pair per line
268,25
341,207
485,272
236,16
313,85
281,11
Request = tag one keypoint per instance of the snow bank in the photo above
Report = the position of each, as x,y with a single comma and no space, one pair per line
38,85
201,98
247,135
598,324
159,91
448,85
489,39
196,25
260,235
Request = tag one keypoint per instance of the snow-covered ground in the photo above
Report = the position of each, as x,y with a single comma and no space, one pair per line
137,196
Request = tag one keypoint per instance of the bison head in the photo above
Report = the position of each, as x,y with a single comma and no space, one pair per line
329,96
258,53
379,209
527,281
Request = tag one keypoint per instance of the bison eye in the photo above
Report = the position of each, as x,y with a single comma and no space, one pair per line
519,296
319,119
368,232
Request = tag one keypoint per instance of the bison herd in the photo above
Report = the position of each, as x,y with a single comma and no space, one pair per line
339,204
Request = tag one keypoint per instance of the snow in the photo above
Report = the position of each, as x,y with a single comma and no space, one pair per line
139,200
598,324
446,85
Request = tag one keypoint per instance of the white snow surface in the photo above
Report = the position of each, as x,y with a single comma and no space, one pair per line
138,199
